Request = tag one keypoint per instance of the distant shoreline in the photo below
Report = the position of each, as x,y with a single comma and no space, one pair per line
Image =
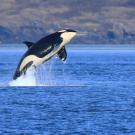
79,46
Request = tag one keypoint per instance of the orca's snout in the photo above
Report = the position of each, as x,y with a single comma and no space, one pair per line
67,35
69,30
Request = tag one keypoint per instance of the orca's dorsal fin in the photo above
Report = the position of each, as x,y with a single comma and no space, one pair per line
62,54
29,44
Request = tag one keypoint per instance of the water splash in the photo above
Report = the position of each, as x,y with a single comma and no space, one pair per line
44,75
25,80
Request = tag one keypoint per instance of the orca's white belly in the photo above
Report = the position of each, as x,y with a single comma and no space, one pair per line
36,60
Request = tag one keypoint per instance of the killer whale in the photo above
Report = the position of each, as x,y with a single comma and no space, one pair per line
43,50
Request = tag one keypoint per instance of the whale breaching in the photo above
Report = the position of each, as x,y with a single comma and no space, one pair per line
43,50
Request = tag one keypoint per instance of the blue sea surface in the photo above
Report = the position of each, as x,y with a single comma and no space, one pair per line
93,93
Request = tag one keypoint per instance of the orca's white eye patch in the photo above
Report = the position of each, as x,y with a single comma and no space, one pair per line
62,31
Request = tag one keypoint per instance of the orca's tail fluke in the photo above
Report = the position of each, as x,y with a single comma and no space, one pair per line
18,73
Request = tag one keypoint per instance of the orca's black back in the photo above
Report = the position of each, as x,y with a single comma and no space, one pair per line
45,45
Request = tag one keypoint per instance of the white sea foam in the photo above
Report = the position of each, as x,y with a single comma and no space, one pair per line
42,76
28,79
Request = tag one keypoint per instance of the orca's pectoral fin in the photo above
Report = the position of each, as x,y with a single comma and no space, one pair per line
29,44
23,71
62,54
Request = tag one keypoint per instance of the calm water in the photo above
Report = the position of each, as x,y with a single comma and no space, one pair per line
93,93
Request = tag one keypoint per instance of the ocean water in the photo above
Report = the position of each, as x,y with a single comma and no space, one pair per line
93,93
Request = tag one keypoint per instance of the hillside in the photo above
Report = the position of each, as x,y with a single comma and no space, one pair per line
97,22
